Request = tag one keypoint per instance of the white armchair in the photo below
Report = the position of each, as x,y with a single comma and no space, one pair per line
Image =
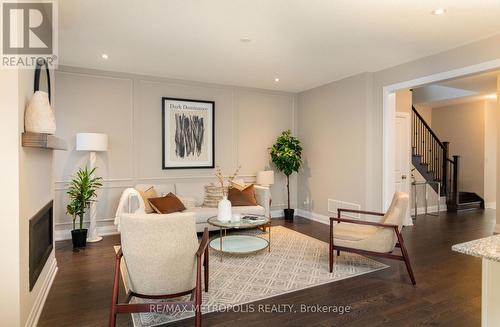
162,259
372,238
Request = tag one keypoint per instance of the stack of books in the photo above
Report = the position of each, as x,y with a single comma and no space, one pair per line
253,219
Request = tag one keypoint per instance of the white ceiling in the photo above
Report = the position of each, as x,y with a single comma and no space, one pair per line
460,90
481,83
306,43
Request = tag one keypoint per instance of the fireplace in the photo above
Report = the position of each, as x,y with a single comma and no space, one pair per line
41,241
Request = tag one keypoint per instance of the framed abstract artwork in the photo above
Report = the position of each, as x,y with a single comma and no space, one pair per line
188,132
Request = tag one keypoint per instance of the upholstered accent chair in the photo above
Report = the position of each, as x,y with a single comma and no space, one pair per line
372,238
160,258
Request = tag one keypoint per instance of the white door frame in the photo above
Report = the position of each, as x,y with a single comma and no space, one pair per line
389,110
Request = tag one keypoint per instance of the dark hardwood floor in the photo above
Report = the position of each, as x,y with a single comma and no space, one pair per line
448,291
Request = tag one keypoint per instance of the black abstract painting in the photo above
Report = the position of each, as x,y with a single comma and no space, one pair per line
188,133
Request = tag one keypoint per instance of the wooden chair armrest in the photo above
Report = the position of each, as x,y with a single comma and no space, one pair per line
203,243
360,211
362,222
119,254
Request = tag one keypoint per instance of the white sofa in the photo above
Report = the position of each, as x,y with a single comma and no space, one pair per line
196,190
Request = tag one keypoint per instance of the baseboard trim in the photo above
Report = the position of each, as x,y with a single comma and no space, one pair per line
65,234
277,213
313,216
319,217
490,205
39,302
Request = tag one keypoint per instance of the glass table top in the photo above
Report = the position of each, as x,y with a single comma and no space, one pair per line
239,244
246,221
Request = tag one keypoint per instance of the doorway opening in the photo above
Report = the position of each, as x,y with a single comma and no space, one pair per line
462,94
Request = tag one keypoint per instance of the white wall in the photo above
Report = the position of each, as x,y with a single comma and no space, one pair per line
497,226
463,126
9,193
490,153
35,191
128,108
26,188
332,128
426,112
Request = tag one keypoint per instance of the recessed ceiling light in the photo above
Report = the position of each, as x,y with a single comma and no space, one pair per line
276,79
245,39
104,56
438,11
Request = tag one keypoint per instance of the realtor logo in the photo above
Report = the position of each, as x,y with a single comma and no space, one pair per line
28,33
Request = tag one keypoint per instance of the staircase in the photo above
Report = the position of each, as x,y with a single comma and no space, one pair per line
431,158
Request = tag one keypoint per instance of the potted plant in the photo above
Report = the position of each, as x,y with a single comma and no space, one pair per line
286,154
81,191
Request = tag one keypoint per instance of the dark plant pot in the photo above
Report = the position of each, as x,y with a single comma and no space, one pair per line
79,237
289,214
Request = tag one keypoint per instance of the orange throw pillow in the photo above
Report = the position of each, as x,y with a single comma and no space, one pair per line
242,198
167,204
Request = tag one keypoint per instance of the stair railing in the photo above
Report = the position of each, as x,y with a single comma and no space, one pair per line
435,154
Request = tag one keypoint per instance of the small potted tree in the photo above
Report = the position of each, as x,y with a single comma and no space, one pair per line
286,154
81,191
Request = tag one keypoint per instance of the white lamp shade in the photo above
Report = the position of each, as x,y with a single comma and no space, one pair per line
265,177
91,142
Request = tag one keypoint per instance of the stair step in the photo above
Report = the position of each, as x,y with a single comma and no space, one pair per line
469,197
423,169
469,206
467,201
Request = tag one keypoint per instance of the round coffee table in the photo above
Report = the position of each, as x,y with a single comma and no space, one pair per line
240,244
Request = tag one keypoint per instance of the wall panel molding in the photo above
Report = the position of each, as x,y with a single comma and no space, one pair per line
136,132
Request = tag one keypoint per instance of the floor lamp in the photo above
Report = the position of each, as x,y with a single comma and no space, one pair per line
92,142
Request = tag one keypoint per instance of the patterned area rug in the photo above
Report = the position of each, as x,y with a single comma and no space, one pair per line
296,262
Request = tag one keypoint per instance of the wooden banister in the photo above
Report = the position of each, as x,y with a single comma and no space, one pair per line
435,157
433,152
427,127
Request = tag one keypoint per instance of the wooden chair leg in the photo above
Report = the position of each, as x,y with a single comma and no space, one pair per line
405,256
112,318
330,250
197,296
114,297
338,253
205,262
197,321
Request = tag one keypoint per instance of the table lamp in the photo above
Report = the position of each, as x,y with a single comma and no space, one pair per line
265,178
92,142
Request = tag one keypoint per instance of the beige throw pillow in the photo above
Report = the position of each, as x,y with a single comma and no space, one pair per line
146,195
213,194
187,201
